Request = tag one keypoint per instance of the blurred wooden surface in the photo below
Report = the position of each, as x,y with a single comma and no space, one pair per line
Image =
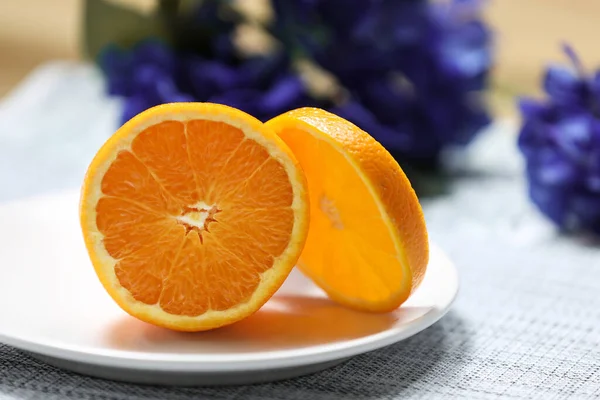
34,31
529,33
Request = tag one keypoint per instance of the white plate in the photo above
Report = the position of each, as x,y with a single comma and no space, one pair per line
53,306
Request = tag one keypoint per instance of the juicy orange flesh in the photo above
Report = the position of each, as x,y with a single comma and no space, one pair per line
348,244
193,213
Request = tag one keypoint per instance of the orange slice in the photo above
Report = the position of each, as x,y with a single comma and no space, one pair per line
367,245
193,215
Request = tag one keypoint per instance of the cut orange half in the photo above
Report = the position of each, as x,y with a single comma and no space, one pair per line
193,215
367,245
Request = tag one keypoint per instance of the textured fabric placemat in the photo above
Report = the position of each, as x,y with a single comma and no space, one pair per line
526,323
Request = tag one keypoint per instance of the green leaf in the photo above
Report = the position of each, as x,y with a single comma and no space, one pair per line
108,23
427,183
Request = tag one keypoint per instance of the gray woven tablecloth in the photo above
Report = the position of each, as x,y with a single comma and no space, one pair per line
526,323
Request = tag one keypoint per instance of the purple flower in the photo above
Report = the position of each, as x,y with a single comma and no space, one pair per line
152,74
285,93
560,139
116,64
411,69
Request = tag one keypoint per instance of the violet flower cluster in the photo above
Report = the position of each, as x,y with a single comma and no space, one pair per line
153,73
409,71
413,70
560,139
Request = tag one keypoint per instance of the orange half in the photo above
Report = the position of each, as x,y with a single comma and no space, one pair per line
193,215
367,245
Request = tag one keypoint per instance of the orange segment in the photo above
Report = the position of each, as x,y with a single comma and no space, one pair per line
193,215
214,143
367,245
167,160
141,186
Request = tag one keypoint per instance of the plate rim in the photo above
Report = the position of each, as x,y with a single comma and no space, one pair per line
264,360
